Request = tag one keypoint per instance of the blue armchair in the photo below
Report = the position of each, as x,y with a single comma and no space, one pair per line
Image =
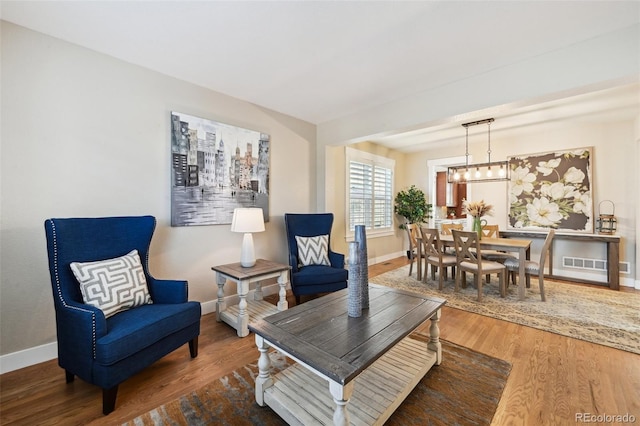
106,350
313,278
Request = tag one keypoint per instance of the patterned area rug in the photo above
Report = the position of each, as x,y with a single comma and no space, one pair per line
464,389
602,316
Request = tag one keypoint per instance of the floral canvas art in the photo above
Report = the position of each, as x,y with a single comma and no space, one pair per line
551,190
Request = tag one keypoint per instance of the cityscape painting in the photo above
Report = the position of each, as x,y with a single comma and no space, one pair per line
215,168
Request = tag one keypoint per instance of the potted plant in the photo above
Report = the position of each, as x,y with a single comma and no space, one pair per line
412,205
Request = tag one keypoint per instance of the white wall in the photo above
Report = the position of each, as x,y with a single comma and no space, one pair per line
84,134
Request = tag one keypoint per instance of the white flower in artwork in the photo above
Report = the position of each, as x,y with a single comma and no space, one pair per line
542,212
558,191
574,175
547,167
582,203
522,181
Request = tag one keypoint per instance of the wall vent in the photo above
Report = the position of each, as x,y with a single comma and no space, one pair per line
592,264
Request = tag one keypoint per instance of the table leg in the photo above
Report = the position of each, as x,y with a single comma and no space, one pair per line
243,314
522,280
257,293
341,395
283,305
434,337
419,259
221,305
264,379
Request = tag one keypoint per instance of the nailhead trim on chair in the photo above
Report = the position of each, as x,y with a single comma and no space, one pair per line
59,291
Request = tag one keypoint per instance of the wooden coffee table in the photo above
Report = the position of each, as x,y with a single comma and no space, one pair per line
369,364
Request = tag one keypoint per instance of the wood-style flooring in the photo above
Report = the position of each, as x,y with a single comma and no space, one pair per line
553,380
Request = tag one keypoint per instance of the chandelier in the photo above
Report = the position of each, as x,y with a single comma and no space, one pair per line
480,172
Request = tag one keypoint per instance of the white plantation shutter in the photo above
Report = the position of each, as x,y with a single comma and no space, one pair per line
369,192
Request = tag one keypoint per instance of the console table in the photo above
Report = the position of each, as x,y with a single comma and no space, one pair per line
347,370
613,253
238,316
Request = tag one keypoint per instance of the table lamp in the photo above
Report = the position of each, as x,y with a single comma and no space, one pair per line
247,220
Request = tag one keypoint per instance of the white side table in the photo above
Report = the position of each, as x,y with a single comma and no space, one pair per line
238,316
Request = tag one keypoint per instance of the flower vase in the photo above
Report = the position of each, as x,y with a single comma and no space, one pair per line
360,237
477,226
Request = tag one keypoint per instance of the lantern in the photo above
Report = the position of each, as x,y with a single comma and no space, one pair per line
607,223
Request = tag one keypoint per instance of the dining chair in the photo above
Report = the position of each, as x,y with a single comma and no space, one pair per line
435,256
532,267
447,227
413,233
469,259
493,231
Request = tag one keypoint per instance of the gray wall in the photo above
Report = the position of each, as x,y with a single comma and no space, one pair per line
84,134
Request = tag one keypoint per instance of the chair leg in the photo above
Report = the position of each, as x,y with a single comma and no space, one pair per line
109,399
503,284
541,283
411,266
478,279
69,376
193,347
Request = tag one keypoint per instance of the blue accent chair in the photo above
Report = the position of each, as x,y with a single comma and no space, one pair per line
105,352
313,279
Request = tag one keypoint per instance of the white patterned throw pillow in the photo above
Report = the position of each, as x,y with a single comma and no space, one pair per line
313,250
113,285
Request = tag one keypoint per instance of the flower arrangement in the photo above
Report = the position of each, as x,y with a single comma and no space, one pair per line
478,208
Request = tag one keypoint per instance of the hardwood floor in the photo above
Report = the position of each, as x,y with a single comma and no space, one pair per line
552,380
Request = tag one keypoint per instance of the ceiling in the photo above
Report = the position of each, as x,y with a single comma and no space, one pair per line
324,60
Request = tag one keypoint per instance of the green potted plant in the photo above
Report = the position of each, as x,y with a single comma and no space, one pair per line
412,205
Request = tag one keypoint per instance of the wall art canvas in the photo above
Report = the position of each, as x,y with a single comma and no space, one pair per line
552,190
215,168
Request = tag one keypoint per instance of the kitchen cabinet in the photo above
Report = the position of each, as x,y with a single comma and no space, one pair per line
449,194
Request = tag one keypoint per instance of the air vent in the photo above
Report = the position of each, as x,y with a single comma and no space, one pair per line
592,264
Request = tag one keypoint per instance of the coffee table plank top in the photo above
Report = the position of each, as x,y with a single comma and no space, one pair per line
322,335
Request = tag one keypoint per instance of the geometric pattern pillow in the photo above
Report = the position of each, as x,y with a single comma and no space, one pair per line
113,285
313,250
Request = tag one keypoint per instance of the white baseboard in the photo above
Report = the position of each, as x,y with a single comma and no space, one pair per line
28,357
49,351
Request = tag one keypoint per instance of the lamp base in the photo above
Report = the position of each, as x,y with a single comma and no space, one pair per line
247,253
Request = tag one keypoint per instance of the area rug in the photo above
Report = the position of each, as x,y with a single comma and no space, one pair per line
464,389
597,315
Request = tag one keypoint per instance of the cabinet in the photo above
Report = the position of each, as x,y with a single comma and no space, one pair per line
446,193
449,194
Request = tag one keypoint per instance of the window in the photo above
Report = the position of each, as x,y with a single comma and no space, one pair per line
369,193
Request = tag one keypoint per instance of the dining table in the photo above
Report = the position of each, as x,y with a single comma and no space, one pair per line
520,246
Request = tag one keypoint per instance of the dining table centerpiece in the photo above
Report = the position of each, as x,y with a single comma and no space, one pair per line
478,209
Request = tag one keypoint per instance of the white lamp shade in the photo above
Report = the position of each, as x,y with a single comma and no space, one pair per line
247,220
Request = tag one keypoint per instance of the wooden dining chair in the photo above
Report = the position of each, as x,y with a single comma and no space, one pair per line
447,227
531,267
435,256
469,259
413,233
493,231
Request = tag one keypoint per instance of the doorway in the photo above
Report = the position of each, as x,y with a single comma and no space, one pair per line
446,198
